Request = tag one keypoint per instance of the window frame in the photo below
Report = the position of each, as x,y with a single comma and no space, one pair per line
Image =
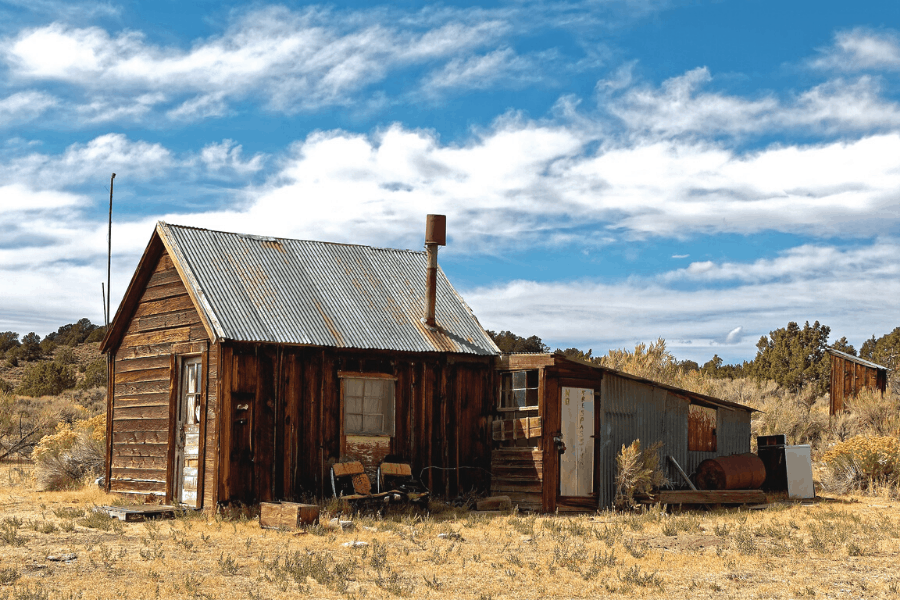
391,404
507,394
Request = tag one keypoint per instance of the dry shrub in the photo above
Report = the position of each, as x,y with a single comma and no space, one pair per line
655,362
877,413
637,472
75,453
863,463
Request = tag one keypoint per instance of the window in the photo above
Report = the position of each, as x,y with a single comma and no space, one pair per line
191,390
368,406
701,428
519,390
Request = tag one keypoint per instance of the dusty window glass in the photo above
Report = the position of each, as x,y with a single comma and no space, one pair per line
519,390
191,379
368,406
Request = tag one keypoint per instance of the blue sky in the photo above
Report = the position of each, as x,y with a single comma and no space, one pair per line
612,171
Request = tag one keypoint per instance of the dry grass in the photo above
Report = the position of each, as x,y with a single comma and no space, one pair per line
841,548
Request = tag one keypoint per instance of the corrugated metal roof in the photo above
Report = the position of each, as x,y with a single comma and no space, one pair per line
701,398
263,289
856,359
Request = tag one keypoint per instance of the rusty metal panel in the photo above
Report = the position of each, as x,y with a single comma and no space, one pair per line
261,289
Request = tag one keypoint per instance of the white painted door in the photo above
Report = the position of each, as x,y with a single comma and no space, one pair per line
576,464
187,464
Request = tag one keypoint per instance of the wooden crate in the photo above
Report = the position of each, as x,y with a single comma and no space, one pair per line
287,515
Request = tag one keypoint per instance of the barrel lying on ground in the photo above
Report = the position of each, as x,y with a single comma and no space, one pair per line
735,472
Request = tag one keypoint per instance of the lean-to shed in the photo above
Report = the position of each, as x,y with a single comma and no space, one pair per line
242,367
850,375
560,423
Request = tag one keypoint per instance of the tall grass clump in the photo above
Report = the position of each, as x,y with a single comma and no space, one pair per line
863,463
71,455
637,472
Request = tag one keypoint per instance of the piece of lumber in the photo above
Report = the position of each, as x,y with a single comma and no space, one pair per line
347,468
706,497
287,515
396,470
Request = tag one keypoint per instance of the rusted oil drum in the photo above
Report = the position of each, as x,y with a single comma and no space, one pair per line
735,472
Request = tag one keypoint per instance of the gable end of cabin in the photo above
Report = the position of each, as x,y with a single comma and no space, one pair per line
164,351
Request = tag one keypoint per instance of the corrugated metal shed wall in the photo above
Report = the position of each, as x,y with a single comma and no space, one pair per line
732,437
631,410
257,289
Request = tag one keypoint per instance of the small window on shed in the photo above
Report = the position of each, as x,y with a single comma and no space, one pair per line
368,406
519,390
701,428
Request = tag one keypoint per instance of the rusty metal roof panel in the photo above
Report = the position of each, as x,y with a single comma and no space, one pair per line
262,289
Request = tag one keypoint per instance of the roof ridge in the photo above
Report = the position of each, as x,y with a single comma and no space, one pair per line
268,238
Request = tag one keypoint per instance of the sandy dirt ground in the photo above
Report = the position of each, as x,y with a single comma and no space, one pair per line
53,545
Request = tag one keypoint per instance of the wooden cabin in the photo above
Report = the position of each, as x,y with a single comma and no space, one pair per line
559,424
242,367
850,375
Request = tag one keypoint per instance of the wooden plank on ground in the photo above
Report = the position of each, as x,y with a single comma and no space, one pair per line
706,497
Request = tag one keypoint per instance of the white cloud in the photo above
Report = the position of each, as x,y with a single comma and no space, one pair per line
805,261
855,302
734,336
288,60
24,106
481,72
17,198
680,106
228,155
82,162
861,49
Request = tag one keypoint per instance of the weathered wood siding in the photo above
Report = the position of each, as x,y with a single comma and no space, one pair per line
281,418
164,324
848,378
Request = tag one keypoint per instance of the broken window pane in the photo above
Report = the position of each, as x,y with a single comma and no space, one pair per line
519,390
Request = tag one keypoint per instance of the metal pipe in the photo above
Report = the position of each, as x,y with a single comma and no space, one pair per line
683,474
109,252
435,235
431,284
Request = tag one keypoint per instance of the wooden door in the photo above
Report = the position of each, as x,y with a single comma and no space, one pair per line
187,452
576,464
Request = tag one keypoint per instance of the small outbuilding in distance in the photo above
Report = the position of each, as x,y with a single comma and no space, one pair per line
850,375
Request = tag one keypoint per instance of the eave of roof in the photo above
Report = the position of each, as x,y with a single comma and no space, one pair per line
856,359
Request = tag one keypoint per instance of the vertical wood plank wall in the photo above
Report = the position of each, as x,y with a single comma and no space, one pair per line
164,323
848,378
281,446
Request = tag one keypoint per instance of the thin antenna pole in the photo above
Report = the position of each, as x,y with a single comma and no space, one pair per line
109,252
105,313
